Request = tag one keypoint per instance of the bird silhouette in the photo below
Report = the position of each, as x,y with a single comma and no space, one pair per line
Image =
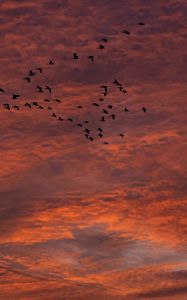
60,119
70,119
58,100
105,111
102,119
106,143
144,109
31,73
86,135
16,107
48,88
101,99
51,62
2,90
46,100
79,106
101,47
125,31
105,87
110,106
105,93
91,138
41,107
104,40
54,115
95,104
49,108
79,125
121,134
100,129
100,135
91,57
6,106
86,122
27,105
141,23
75,56
39,89
15,96
40,70
28,79
113,116
35,103
87,130
126,109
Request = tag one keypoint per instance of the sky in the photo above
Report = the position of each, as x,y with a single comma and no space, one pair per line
81,219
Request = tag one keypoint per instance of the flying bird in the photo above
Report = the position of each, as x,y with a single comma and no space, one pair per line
31,73
48,88
46,100
35,103
40,70
7,106
141,23
91,57
57,100
100,129
15,96
95,104
106,143
39,89
49,108
121,134
75,56
28,79
70,120
79,125
41,107
61,119
16,107
27,105
105,111
104,40
126,109
100,135
102,119
125,31
144,109
110,106
113,116
54,115
51,62
2,90
101,99
79,106
91,138
101,47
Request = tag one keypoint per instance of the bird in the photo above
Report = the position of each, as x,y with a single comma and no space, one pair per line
54,115
100,135
124,91
126,109
79,106
86,122
116,82
87,130
105,111
7,106
69,119
40,70
60,119
79,125
110,106
104,40
105,87
101,99
46,100
113,116
41,107
16,107
2,90
106,143
15,96
120,88
100,129
31,73
40,90
86,135
49,108
27,105
28,79
48,88
101,47
144,109
95,104
57,100
105,93
35,103
121,134
91,57
141,23
91,138
125,31
51,62
75,56
102,119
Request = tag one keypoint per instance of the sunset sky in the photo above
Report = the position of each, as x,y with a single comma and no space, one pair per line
80,219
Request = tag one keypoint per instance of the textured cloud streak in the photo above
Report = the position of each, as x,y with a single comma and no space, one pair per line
82,220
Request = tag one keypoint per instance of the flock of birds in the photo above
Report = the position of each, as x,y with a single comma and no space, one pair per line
107,110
